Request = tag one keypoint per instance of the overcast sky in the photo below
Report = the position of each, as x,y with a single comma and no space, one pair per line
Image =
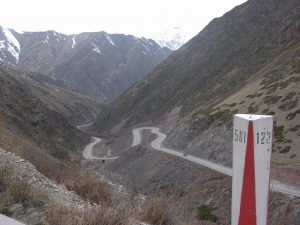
137,17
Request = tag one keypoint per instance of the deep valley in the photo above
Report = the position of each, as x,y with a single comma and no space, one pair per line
113,129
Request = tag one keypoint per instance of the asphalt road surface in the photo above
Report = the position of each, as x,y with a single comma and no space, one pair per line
157,145
84,125
88,151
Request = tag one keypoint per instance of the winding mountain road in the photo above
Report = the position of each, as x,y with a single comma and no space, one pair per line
157,145
88,151
84,125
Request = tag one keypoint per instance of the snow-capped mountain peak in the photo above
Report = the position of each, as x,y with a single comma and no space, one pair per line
173,38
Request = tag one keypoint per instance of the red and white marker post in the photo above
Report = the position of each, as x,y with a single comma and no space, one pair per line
252,147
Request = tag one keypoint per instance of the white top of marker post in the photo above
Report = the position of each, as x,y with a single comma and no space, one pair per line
256,191
252,117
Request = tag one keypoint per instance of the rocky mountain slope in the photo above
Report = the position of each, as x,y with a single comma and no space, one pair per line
244,62
78,109
31,127
99,65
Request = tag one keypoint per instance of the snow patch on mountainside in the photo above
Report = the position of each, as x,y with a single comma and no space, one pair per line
46,40
96,48
58,36
9,45
2,45
11,39
73,41
110,40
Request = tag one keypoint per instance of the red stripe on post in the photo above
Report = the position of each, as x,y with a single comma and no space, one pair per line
248,201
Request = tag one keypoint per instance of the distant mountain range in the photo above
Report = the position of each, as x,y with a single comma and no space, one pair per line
99,65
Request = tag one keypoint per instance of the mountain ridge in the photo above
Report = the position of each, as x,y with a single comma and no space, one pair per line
96,64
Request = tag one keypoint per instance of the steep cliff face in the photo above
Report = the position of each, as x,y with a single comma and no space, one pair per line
244,62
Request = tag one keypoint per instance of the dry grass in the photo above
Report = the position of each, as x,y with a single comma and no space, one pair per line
60,214
18,191
102,207
90,187
2,177
157,212
109,211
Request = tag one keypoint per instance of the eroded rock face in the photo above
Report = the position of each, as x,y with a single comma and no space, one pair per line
292,30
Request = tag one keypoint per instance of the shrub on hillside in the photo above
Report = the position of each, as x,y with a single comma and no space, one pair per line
60,214
17,190
204,213
91,188
156,211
